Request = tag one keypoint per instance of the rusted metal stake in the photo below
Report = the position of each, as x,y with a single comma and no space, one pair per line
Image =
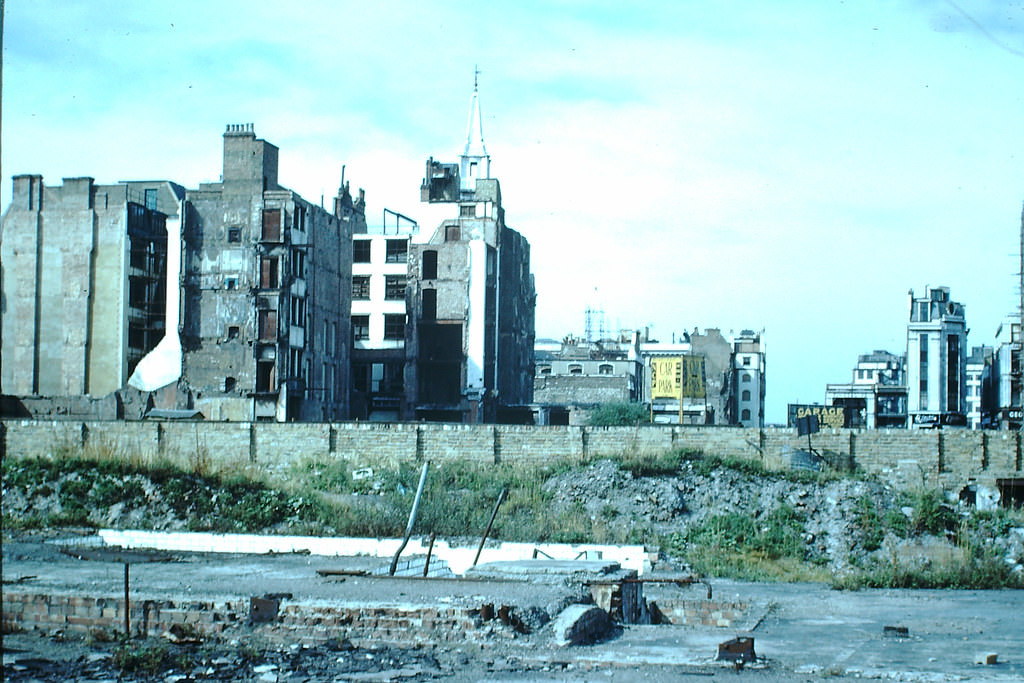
487,531
127,611
412,519
430,550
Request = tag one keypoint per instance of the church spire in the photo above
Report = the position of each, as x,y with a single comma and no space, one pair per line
476,163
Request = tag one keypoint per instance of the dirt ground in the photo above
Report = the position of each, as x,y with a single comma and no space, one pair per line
805,632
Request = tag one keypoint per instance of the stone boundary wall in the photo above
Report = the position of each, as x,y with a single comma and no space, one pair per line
950,458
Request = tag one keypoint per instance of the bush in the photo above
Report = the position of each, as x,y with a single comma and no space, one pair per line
619,415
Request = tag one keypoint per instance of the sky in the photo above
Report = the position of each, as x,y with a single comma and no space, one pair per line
792,168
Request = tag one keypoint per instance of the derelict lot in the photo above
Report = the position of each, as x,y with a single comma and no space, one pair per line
803,631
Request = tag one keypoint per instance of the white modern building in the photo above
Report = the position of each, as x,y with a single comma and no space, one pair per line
380,263
936,359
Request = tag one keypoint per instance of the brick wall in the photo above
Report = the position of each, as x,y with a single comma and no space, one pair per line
295,622
949,458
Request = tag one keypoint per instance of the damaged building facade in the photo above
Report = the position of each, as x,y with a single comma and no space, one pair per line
471,300
266,290
231,300
84,284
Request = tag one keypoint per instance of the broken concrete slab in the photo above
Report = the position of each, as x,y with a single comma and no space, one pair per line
578,624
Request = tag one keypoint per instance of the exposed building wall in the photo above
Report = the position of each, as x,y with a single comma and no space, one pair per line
267,293
80,307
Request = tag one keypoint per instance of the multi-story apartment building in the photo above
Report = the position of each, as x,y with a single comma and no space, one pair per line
936,359
877,394
748,380
266,279
470,328
84,283
380,265
982,390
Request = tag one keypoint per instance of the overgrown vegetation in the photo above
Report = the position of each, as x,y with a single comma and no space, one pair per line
619,415
330,497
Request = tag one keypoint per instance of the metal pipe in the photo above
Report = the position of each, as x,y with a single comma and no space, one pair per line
430,550
487,531
127,611
412,518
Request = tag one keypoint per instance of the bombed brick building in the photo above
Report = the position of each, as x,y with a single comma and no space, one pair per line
471,300
266,287
84,284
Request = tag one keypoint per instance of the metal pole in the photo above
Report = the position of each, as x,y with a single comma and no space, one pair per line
487,531
412,518
430,550
127,611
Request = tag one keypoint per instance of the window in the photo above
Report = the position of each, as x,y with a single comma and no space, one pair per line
233,331
229,384
234,234
575,369
605,369
360,251
271,225
467,210
298,263
745,415
394,287
746,360
745,396
298,317
452,233
360,327
429,270
150,199
230,283
394,326
746,378
429,304
396,251
923,343
269,272
361,287
544,369
268,325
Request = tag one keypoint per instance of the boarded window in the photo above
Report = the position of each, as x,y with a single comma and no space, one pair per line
268,325
269,272
429,271
452,233
271,225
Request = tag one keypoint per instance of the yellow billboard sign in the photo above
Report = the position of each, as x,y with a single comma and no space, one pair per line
677,377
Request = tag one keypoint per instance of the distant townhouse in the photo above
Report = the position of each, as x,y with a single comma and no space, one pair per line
877,395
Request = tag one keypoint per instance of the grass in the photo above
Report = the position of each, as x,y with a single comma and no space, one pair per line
323,497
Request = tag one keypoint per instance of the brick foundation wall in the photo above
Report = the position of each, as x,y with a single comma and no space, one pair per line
296,622
950,458
704,613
